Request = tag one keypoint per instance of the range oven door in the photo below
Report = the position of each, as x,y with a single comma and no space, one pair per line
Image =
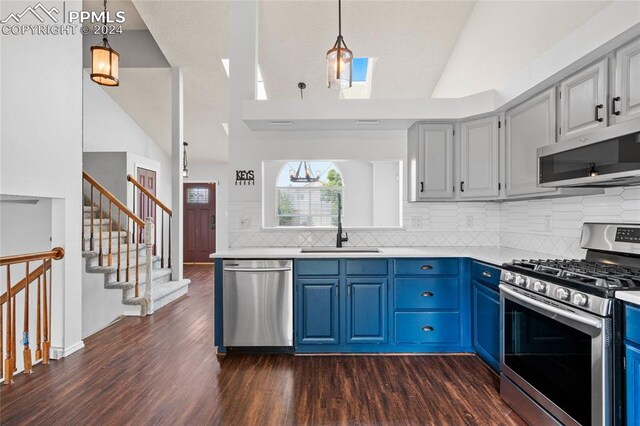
559,356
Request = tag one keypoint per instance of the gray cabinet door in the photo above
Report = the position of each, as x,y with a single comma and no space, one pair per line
435,161
583,101
626,98
479,158
529,126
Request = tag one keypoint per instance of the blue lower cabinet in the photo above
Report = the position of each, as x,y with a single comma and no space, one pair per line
366,310
486,323
442,328
318,313
632,354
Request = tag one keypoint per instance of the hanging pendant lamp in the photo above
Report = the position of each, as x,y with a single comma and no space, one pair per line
339,60
105,60
185,172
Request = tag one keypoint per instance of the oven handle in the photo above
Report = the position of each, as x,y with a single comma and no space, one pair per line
561,312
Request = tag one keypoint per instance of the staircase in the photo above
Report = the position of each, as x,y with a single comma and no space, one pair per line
125,264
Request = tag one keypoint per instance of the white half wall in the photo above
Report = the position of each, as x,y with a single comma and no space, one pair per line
41,149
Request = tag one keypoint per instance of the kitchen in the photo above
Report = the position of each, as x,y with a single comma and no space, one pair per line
320,212
504,232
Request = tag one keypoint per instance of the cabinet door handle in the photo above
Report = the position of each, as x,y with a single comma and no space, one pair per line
427,328
598,118
337,291
426,267
462,186
613,105
421,186
486,274
349,291
426,294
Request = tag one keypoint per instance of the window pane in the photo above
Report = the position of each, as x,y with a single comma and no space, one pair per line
198,195
310,206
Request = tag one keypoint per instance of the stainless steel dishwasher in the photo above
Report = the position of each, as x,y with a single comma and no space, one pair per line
258,303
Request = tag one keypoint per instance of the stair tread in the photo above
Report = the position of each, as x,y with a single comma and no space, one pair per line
123,266
160,292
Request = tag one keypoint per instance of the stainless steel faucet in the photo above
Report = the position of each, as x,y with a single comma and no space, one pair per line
339,238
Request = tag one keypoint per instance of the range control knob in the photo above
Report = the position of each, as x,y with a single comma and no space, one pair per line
520,280
580,299
562,293
508,276
540,287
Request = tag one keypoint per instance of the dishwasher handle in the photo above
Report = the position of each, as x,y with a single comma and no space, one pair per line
257,269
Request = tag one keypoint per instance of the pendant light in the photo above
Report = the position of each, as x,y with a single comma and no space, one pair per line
185,172
303,174
104,60
339,60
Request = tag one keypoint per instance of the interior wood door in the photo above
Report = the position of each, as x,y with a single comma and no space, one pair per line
479,158
626,99
583,101
144,208
199,221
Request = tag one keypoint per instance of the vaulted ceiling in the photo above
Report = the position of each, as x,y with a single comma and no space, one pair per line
411,41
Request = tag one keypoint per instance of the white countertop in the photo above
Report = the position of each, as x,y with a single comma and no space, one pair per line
629,296
493,255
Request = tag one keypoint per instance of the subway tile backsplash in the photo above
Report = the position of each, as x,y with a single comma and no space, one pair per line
550,226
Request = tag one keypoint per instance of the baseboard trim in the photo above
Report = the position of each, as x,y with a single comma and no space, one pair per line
59,353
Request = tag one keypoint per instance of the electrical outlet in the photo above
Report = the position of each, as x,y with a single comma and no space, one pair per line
469,221
417,221
245,222
548,225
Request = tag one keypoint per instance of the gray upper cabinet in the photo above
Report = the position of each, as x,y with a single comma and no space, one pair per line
583,101
625,102
529,126
479,158
430,162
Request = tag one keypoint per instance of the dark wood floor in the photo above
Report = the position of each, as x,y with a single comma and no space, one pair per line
163,370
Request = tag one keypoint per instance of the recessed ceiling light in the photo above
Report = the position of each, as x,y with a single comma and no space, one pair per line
373,122
281,123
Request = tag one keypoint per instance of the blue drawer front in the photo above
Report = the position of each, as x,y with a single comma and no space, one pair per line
442,266
632,328
427,327
371,267
486,274
320,267
426,293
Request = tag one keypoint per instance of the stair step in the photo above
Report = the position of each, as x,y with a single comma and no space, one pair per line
97,221
111,270
105,236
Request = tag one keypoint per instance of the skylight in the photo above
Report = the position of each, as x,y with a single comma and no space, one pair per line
360,69
261,92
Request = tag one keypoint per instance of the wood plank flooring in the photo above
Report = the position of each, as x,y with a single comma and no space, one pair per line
163,370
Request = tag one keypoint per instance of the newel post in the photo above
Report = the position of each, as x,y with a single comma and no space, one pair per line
148,243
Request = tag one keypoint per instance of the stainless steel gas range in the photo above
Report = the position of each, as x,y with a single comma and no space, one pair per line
560,326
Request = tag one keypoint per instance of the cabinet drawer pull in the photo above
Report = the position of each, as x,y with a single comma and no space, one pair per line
426,267
613,105
426,294
486,274
427,328
598,118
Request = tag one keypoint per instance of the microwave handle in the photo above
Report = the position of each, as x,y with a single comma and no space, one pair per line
560,312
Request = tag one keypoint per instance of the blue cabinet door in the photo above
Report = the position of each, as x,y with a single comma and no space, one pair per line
486,324
366,310
633,384
317,311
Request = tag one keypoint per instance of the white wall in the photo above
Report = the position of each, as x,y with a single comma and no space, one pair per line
102,113
502,37
41,149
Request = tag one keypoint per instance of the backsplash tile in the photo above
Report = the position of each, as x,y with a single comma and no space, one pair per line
548,225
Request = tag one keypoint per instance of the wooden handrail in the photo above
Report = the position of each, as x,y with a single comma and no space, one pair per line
57,254
104,191
146,192
32,277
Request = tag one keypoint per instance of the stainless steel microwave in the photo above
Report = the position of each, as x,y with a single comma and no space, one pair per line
604,158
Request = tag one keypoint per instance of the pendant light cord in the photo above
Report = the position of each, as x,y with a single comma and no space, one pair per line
104,25
339,18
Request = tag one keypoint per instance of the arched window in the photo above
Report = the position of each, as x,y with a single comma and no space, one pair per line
308,194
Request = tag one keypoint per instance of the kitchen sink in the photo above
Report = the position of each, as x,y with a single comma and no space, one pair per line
339,250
